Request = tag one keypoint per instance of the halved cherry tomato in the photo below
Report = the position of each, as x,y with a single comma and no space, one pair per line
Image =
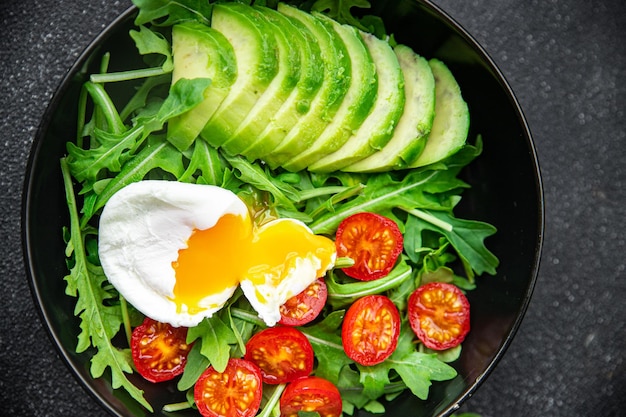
312,394
236,392
439,314
282,353
306,306
370,330
373,241
159,350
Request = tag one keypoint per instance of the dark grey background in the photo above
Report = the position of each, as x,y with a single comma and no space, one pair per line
566,62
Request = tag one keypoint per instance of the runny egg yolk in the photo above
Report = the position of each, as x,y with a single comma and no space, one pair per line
220,257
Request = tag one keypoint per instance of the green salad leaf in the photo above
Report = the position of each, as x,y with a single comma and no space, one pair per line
114,149
99,322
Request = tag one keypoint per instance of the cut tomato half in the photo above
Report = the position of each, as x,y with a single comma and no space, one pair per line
373,241
311,394
283,354
236,392
439,314
159,350
306,306
371,329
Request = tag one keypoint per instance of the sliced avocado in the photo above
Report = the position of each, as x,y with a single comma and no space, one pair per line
379,126
255,50
279,89
451,124
200,52
416,121
299,101
337,74
356,105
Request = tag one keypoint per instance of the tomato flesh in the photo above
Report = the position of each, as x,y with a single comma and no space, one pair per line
312,394
283,354
236,392
439,314
159,350
370,330
306,306
373,241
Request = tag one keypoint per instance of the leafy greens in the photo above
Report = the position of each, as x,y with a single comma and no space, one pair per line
114,149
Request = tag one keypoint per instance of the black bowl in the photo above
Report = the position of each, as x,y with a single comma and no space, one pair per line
506,192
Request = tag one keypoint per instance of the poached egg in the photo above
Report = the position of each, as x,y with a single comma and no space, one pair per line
177,252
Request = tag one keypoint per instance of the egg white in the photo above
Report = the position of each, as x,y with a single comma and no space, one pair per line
141,230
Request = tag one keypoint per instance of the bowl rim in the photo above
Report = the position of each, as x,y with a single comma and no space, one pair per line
106,32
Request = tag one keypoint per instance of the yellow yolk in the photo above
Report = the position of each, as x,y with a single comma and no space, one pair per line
220,257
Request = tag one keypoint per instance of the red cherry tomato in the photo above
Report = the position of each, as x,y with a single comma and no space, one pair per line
236,392
282,353
159,350
312,394
439,314
373,241
306,306
371,329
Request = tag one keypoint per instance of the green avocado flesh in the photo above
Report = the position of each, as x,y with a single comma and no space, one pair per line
299,90
200,52
253,40
279,89
451,124
379,126
299,101
356,105
337,77
416,121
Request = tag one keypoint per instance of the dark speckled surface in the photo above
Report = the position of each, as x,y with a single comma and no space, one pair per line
565,62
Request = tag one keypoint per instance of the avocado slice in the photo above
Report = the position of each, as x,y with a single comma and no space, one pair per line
279,89
355,107
379,126
452,119
416,121
299,101
256,50
200,52
337,75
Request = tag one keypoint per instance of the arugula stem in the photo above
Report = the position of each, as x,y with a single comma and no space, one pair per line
246,316
169,408
273,400
344,262
104,64
344,194
82,113
317,192
427,217
125,318
126,75
104,103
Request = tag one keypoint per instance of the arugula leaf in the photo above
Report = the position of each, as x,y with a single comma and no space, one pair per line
150,42
157,154
467,237
382,193
340,295
216,339
196,364
86,164
325,338
340,10
417,369
169,12
207,161
283,193
99,323
374,379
